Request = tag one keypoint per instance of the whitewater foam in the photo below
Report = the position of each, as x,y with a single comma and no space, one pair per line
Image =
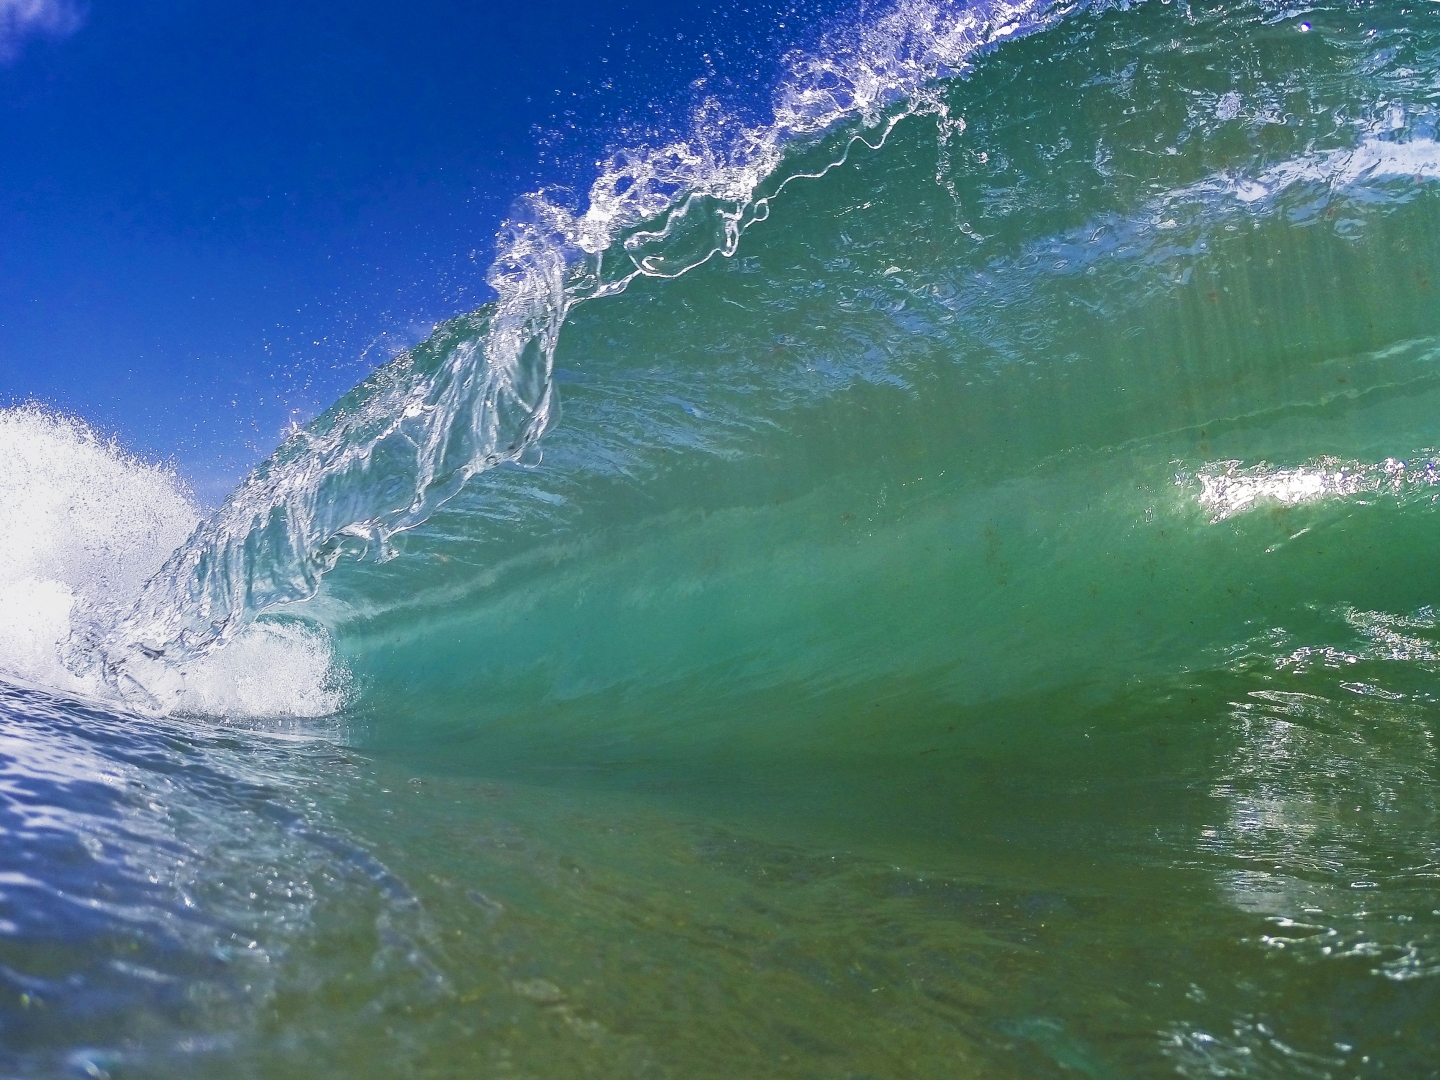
83,526
1228,488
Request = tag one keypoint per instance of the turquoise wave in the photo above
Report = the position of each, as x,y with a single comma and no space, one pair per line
1055,400
479,393
1005,321
938,585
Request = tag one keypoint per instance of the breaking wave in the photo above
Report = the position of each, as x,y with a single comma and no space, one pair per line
480,393
83,527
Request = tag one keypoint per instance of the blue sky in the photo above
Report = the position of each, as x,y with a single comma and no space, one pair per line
214,218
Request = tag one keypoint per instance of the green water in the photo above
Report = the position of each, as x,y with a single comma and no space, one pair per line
876,456
865,688
1193,877
983,628
931,727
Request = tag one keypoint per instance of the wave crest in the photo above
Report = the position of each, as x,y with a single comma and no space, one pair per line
479,393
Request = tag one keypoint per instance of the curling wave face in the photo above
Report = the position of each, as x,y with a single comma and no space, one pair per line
969,297
924,428
479,393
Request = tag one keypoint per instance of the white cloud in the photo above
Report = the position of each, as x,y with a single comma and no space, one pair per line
22,19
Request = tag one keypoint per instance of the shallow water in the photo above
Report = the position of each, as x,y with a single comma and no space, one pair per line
981,625
1198,876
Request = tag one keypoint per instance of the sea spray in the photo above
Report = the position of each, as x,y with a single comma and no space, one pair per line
84,525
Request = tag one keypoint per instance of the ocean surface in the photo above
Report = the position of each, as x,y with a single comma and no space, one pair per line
940,583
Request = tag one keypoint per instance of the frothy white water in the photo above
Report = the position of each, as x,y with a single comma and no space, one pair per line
1228,488
83,527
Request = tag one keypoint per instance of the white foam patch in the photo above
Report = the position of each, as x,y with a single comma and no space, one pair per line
269,670
1381,156
83,526
1227,488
